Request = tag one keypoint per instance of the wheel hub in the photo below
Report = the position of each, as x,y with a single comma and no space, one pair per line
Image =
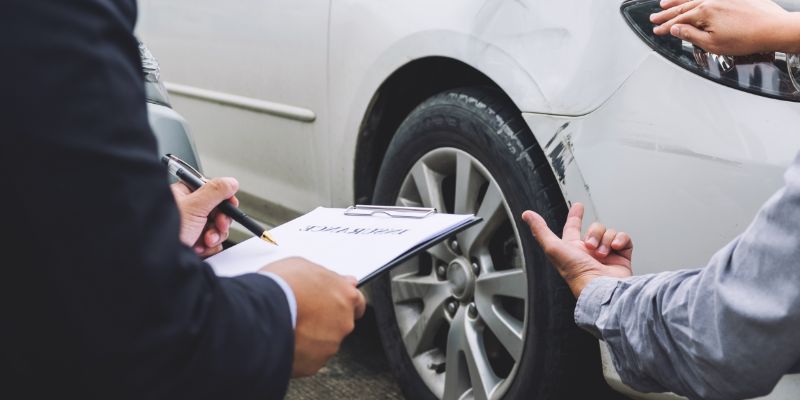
461,279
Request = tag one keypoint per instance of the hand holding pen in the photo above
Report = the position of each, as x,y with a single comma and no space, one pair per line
197,198
203,227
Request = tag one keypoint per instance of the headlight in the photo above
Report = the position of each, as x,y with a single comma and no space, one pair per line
775,75
154,88
793,61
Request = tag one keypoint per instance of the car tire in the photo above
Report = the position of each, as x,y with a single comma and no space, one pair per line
481,128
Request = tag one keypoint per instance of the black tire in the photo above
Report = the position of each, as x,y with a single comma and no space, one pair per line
559,361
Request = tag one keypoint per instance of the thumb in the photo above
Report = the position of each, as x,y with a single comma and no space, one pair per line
351,280
690,34
556,250
210,195
541,232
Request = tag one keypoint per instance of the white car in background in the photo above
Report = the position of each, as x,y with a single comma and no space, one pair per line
491,107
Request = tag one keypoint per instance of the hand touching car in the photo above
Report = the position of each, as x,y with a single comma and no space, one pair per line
602,252
730,27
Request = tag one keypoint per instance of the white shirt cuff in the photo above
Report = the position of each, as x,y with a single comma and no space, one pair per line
287,291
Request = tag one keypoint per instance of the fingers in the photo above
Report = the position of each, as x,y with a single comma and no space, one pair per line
605,243
691,34
360,304
572,228
599,239
623,244
556,249
219,229
692,17
179,189
674,10
594,234
621,241
208,196
665,4
546,238
204,252
213,237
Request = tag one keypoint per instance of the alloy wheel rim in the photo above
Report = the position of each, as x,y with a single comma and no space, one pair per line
461,308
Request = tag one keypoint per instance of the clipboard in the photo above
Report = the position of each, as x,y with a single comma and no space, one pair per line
361,240
405,212
391,211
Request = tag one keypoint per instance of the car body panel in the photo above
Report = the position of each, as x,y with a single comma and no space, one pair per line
207,45
478,34
680,162
706,154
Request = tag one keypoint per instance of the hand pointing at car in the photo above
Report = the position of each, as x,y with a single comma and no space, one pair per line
602,252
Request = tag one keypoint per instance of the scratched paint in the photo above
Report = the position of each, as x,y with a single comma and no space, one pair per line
559,151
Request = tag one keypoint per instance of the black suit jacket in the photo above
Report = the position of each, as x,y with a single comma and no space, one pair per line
101,299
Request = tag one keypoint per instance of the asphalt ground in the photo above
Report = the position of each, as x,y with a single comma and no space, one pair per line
359,371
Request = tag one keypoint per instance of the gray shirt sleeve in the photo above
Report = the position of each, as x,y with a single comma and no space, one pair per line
728,330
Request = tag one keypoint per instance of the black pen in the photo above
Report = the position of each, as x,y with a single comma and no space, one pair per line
193,179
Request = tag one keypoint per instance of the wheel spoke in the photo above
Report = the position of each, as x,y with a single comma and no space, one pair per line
441,253
420,337
433,294
505,327
467,367
481,375
456,379
428,184
468,183
511,283
493,213
404,202
413,287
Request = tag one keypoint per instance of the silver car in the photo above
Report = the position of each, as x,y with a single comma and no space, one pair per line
169,127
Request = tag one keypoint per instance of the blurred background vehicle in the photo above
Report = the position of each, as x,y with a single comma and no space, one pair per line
171,130
488,107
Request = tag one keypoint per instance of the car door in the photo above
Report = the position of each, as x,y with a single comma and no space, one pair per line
249,76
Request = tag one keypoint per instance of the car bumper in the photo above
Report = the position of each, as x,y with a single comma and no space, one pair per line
172,134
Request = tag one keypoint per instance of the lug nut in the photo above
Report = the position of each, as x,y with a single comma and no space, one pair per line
452,307
454,246
441,271
472,310
476,268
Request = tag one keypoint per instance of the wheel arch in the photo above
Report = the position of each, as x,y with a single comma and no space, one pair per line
396,97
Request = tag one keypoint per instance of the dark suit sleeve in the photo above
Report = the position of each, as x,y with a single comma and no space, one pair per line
103,300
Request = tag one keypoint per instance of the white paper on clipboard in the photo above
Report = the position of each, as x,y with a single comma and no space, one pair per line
358,241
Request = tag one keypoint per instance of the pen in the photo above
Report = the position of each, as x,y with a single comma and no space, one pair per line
193,179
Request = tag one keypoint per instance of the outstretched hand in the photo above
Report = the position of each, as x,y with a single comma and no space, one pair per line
603,252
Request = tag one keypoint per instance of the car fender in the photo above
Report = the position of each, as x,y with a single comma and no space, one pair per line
502,40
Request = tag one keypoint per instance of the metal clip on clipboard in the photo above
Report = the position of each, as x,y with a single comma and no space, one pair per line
392,211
